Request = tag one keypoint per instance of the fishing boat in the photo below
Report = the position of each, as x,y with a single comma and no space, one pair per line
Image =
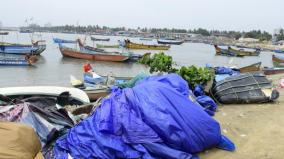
251,68
278,61
272,71
225,52
12,61
57,40
279,51
35,48
107,46
130,45
92,55
100,39
170,42
132,56
235,52
4,33
244,52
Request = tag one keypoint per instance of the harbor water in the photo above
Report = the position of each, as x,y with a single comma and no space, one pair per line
54,69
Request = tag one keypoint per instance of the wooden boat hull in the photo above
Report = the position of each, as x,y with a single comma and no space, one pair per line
277,61
235,52
131,45
170,42
20,49
225,52
251,68
243,52
92,56
272,71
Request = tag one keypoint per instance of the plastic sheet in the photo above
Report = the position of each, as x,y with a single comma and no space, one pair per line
154,119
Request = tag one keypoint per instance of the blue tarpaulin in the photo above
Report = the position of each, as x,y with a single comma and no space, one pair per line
154,119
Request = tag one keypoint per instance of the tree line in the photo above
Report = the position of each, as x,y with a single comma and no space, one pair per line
256,34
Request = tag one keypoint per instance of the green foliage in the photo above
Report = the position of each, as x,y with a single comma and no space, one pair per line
280,36
195,76
163,63
158,63
257,34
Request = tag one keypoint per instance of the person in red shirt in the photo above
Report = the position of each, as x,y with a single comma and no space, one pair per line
87,67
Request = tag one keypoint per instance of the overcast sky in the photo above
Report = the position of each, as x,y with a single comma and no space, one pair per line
187,14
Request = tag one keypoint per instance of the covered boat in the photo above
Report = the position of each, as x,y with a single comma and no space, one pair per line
251,87
92,55
12,61
57,40
278,61
99,39
107,46
130,45
35,48
170,42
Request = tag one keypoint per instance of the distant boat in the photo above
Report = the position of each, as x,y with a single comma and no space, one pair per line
130,45
4,33
35,48
279,51
12,61
132,56
100,39
107,46
57,40
92,55
26,31
278,61
235,52
170,42
244,52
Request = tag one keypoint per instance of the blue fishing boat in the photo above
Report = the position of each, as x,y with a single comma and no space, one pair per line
35,48
57,40
24,61
279,51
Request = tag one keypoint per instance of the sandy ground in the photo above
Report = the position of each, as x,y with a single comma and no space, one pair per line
257,130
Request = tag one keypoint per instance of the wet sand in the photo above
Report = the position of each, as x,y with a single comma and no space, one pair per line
256,129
